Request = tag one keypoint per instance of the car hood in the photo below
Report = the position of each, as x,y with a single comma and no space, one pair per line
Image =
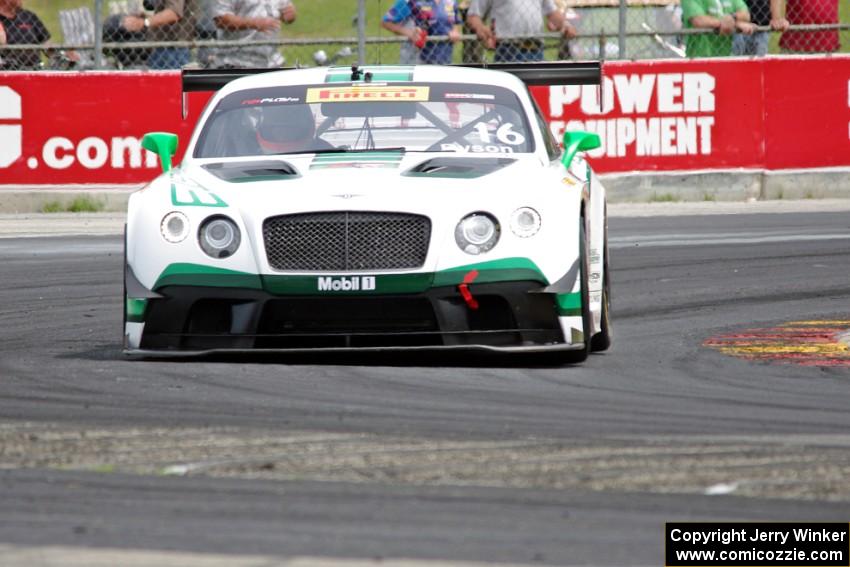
360,180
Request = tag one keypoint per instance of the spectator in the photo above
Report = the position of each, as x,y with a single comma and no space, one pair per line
172,20
428,17
251,20
518,21
811,12
19,26
472,51
114,32
724,16
762,13
564,49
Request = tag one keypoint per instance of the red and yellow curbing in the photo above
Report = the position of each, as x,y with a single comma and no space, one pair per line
803,343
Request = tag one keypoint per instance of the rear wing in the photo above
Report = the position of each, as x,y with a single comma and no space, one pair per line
546,73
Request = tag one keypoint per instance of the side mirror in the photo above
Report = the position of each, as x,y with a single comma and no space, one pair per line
575,142
162,144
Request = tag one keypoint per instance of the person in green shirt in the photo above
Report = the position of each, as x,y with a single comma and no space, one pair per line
726,17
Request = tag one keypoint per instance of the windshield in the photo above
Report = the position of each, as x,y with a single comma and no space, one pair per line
447,117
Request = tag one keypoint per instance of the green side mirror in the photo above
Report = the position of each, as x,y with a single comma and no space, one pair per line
575,142
163,144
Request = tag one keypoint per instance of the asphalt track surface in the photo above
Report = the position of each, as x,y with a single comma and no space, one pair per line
432,459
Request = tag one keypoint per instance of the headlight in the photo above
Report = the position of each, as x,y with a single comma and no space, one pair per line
477,233
525,222
219,237
174,227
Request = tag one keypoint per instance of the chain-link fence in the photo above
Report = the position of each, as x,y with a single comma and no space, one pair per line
163,34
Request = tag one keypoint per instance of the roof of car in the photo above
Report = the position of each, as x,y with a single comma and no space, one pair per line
380,73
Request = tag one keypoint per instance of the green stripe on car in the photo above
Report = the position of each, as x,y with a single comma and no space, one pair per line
366,159
203,198
206,276
362,156
508,269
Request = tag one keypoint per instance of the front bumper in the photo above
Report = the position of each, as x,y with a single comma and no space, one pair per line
513,316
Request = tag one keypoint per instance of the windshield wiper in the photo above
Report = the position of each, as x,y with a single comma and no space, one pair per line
342,151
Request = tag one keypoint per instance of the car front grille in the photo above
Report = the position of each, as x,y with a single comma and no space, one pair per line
343,241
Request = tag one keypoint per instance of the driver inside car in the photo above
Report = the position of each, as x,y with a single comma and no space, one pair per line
288,128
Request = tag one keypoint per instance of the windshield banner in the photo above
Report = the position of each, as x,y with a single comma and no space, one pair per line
709,114
367,94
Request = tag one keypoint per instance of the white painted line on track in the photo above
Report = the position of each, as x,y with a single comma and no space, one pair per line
61,224
61,556
689,208
667,240
31,247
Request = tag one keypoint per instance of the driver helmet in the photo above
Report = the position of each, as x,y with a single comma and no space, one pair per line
286,128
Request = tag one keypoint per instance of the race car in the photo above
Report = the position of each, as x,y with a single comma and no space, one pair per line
371,209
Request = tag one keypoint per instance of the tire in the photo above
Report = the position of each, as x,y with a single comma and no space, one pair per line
575,356
602,340
124,296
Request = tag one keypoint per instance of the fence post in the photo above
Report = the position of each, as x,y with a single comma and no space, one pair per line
361,32
602,42
98,34
621,40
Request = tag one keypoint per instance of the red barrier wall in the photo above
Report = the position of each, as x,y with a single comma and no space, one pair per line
668,115
60,128
772,113
807,119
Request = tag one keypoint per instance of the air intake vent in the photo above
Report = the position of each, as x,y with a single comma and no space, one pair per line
460,167
247,171
346,241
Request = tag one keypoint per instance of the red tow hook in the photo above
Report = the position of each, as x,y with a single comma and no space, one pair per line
464,289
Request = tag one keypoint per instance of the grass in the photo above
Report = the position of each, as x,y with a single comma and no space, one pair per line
52,207
84,204
663,198
316,18
708,197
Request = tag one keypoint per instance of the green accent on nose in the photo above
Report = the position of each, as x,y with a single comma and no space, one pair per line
575,142
568,303
136,309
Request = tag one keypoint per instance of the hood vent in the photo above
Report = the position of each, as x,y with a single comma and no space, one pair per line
251,171
458,167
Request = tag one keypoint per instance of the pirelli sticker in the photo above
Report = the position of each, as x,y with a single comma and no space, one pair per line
367,94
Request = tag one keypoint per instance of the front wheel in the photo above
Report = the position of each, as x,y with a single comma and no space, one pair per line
124,295
602,340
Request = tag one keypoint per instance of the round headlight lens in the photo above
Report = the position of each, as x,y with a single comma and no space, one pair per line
477,233
525,222
219,237
174,227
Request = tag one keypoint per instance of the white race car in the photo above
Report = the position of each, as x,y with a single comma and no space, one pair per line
371,208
